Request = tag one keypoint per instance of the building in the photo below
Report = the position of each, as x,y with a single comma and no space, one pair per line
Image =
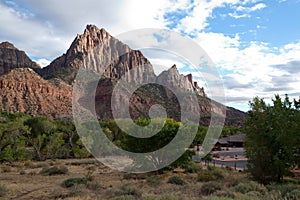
230,141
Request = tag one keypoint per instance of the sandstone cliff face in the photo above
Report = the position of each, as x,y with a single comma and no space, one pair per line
23,90
12,58
97,50
173,79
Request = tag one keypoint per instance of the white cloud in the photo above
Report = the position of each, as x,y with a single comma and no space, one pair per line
252,65
45,30
42,62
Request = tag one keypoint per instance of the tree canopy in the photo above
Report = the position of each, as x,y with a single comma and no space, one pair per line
272,138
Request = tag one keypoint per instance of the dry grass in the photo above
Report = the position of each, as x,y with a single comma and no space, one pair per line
104,183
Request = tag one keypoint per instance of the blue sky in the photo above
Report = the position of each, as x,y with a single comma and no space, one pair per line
254,44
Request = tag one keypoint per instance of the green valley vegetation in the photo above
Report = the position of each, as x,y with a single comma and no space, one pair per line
23,137
273,138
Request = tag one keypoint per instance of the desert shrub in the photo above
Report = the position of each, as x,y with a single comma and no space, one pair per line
192,167
273,195
41,165
152,180
3,190
224,193
114,192
217,172
54,170
161,197
254,194
246,187
74,181
176,180
127,189
206,176
210,188
125,197
22,172
77,190
293,195
130,189
283,189
219,198
235,180
241,196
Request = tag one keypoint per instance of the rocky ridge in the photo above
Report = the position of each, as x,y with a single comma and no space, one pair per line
23,90
50,94
12,58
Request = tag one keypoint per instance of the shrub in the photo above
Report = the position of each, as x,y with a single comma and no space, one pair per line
54,170
293,195
125,197
130,189
218,173
283,189
41,165
161,197
250,186
3,190
206,176
219,198
224,193
210,188
152,180
192,167
74,181
176,180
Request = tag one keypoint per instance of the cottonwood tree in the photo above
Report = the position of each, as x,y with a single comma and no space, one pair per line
272,138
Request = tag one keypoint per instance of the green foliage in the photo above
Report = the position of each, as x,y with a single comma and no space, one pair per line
12,141
55,170
246,187
184,161
130,189
153,181
206,176
283,189
74,181
210,188
225,193
176,180
272,138
192,167
3,190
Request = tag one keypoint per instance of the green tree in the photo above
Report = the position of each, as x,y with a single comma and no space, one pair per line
41,129
12,141
272,138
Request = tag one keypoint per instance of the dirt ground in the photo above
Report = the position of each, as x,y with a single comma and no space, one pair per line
23,180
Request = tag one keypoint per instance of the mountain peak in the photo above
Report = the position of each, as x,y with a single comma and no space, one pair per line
12,58
7,45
